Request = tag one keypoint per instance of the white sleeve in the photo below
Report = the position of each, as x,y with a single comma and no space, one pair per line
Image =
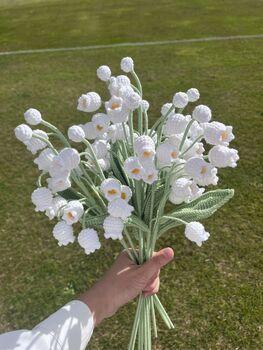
69,328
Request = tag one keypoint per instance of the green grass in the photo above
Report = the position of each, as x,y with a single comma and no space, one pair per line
213,294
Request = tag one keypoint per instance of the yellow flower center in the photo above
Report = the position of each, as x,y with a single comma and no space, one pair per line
112,192
174,154
99,127
136,171
224,135
70,216
123,195
149,177
147,154
115,105
203,170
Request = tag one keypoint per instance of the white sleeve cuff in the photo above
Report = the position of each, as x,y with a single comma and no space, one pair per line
71,326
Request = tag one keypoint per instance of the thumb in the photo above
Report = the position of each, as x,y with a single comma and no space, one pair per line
159,259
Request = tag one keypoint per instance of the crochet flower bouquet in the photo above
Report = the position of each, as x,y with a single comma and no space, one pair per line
130,181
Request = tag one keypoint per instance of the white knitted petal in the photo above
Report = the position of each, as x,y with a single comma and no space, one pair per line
33,116
116,132
23,132
181,187
193,94
150,175
90,131
76,133
222,156
176,124
100,148
202,114
34,144
180,100
145,105
104,73
44,160
216,133
166,107
113,227
119,208
63,233
127,64
202,172
41,198
196,130
89,102
132,100
166,153
101,123
58,184
126,193
111,188
195,232
69,158
72,212
133,168
143,142
89,240
57,204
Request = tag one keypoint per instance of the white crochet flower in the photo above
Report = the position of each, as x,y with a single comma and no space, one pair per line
63,233
72,212
101,123
89,240
145,105
195,131
133,168
181,191
33,145
23,132
116,110
127,64
195,232
166,154
58,183
100,148
165,108
216,133
196,150
222,156
126,193
89,130
202,172
76,133
202,114
41,198
89,102
196,191
67,159
104,73
193,95
144,147
57,204
175,124
33,116
132,100
150,175
113,228
45,159
117,84
104,163
119,208
116,132
111,189
180,100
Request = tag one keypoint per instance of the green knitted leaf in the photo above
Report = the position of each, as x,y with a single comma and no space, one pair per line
157,197
115,164
201,208
95,221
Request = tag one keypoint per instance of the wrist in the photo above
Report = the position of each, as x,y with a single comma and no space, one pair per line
99,302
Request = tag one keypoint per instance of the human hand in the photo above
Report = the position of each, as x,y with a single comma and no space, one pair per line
123,282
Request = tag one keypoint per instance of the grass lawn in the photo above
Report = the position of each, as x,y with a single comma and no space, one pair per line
213,294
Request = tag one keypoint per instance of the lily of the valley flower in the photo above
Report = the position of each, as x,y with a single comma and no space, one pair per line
195,232
222,156
72,212
63,233
89,102
113,227
89,240
41,198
